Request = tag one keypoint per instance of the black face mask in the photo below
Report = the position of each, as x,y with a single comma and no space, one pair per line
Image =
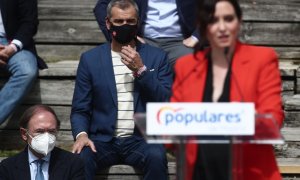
123,34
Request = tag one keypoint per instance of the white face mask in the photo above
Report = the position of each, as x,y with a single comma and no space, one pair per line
43,143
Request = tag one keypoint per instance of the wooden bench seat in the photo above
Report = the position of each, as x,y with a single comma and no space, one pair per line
287,166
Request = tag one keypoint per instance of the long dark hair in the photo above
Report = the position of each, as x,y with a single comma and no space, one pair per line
206,11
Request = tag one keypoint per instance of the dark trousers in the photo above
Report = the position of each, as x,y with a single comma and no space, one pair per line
174,47
213,162
133,151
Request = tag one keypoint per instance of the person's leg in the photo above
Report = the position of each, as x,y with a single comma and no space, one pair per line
23,70
107,155
175,48
152,42
150,158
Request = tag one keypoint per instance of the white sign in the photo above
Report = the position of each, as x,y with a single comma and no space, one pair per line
200,119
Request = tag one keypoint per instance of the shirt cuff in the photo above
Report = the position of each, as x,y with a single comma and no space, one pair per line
18,43
80,134
195,38
140,72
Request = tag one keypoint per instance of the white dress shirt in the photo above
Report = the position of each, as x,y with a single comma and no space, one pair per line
33,165
2,30
162,19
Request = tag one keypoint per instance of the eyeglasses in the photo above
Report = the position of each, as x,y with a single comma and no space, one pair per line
120,22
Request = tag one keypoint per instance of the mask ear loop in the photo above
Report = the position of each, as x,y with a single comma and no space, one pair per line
27,132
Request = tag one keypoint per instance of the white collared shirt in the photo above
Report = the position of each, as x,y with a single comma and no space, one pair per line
2,30
162,19
33,165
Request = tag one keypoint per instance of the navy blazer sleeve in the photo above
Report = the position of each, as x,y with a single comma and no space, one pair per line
100,14
28,20
155,84
20,20
82,98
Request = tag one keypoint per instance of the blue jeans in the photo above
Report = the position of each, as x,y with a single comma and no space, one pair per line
22,69
133,151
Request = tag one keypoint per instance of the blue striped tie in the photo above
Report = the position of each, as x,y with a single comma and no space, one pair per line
39,173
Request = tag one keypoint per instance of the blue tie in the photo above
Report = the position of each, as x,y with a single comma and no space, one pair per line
39,173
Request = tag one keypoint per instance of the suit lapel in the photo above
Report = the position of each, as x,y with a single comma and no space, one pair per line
52,163
200,73
56,165
22,166
136,93
197,79
107,67
240,74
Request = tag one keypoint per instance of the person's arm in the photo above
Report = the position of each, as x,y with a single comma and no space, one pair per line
6,52
100,14
156,82
81,108
193,39
269,88
28,22
190,41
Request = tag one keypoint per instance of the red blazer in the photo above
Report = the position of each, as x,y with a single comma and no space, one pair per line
255,71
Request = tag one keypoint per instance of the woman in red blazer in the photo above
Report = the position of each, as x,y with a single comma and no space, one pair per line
229,71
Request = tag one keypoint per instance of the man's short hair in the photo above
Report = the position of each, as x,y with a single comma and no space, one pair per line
33,110
122,4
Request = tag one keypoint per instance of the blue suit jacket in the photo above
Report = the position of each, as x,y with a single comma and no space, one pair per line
94,107
186,12
63,166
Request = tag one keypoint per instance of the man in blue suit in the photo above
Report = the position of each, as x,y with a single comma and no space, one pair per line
167,24
114,81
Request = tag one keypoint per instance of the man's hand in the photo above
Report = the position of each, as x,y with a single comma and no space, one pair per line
131,58
81,141
3,56
5,53
190,41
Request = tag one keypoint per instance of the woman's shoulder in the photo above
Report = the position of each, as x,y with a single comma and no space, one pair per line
256,51
259,55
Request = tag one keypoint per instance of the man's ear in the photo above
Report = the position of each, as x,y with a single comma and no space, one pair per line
23,133
107,23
